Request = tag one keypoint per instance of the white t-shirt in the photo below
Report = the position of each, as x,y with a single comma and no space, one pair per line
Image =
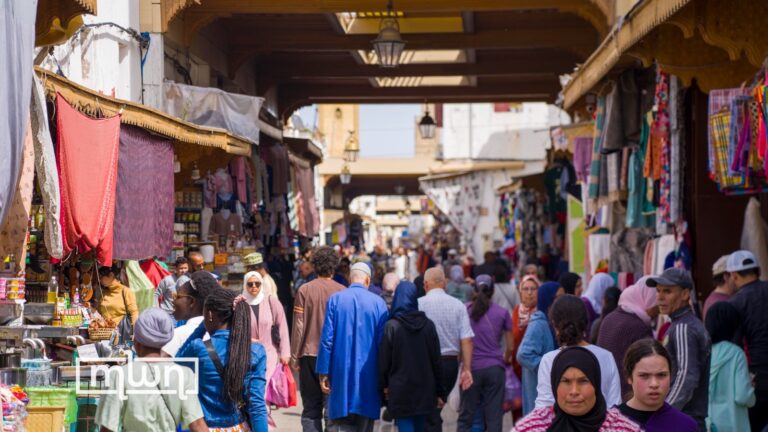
181,334
610,379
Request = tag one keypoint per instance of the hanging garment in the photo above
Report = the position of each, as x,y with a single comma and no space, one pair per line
154,271
45,168
142,287
278,160
13,232
597,157
677,162
582,157
306,184
238,172
718,99
17,44
144,210
614,124
628,250
640,211
87,183
231,226
599,253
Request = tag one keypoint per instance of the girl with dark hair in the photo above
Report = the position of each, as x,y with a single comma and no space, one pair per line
489,322
569,319
579,406
539,339
648,368
730,387
231,368
572,283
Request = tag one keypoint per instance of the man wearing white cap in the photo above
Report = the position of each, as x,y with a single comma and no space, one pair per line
347,360
255,262
751,300
721,281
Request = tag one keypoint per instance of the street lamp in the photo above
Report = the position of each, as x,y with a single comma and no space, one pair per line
389,45
427,126
346,175
351,148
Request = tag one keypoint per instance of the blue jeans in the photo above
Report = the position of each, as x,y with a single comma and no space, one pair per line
411,424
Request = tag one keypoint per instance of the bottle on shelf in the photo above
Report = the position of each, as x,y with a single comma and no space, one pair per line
53,290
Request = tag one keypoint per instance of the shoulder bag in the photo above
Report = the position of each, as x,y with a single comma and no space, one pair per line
125,327
243,408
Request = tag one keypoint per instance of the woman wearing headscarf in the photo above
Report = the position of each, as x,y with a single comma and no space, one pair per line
730,387
457,285
572,283
409,362
579,405
610,303
594,295
539,339
522,313
270,326
629,323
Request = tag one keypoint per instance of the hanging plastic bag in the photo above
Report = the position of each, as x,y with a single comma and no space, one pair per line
454,398
277,390
292,398
513,391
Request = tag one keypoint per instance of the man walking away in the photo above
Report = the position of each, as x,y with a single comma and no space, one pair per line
751,300
347,361
452,323
688,343
308,316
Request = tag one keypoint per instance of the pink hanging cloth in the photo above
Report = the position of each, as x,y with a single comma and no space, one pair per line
87,151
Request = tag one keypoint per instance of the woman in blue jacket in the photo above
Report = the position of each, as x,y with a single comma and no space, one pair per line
539,339
730,387
231,368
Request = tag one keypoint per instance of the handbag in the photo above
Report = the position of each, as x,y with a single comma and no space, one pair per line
274,330
243,407
125,327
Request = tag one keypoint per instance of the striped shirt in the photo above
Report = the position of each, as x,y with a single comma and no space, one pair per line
540,419
450,317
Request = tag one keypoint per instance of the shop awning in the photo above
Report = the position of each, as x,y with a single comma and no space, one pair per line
91,102
640,21
58,19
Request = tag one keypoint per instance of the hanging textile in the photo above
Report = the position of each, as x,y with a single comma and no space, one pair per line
599,253
47,173
294,213
640,210
154,271
582,157
87,151
144,209
13,233
718,99
597,157
677,160
142,287
278,161
17,43
628,250
613,125
237,168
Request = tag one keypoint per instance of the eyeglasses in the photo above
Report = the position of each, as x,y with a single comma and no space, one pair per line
176,295
253,284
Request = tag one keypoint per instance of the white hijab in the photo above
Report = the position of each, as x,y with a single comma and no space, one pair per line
250,298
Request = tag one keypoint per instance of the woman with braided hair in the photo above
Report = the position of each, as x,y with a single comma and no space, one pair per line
232,368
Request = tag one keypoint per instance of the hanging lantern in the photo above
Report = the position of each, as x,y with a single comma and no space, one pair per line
389,45
346,175
427,126
351,148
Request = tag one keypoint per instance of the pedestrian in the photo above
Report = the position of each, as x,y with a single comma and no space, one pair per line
402,264
720,280
410,372
539,339
504,293
594,295
751,300
309,310
377,281
630,322
232,368
197,261
523,312
572,283
648,368
167,286
687,341
569,319
490,323
271,326
388,285
730,387
255,262
455,334
579,405
188,302
342,272
117,301
151,407
347,361
610,303
305,273
457,286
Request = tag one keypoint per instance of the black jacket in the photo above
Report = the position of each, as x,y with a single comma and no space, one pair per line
751,301
410,365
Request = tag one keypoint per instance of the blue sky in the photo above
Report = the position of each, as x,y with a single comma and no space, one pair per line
386,130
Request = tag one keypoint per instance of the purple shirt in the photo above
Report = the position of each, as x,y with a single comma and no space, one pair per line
486,345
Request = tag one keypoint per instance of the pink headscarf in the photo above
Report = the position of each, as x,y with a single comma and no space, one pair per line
637,299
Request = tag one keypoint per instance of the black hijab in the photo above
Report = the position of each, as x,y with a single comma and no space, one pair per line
722,321
569,281
582,359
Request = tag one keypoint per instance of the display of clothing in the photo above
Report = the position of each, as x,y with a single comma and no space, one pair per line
17,42
582,157
144,210
13,232
226,225
237,168
277,156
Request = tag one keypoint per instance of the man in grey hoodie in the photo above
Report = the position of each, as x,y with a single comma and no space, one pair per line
688,343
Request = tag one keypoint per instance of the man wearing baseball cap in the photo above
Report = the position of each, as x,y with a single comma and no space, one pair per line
720,280
751,300
688,343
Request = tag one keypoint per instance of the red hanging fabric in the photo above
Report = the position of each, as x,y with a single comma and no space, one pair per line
154,271
87,152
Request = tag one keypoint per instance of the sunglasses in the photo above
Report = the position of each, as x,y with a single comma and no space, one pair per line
253,284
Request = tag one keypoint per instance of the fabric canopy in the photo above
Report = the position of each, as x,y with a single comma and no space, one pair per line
144,208
17,43
87,154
